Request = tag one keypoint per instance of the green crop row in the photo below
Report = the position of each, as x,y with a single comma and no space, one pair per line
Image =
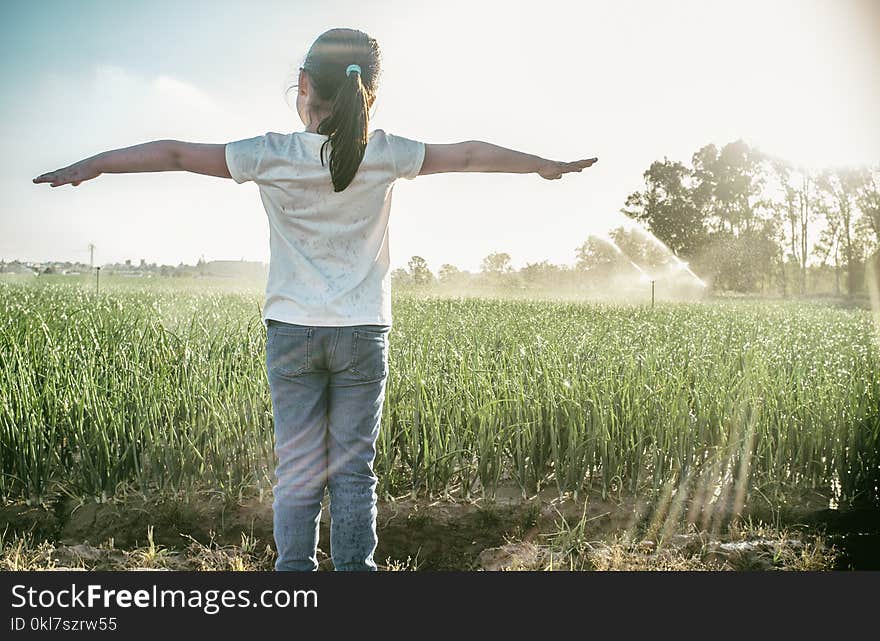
155,389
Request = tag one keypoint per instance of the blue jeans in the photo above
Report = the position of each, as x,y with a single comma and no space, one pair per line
328,387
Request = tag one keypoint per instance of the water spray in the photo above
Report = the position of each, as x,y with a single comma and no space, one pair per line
610,241
672,263
681,264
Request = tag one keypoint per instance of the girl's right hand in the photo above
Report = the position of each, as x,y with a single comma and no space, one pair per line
72,175
553,170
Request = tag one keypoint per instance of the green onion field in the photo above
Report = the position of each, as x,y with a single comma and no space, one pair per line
161,390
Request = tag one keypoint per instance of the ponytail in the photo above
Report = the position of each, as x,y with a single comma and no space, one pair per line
343,67
347,130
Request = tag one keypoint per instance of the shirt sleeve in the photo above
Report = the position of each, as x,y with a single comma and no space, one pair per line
407,155
243,158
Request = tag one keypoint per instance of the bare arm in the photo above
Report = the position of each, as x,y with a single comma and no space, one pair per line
159,155
479,156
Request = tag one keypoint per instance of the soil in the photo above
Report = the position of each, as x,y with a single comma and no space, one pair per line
506,532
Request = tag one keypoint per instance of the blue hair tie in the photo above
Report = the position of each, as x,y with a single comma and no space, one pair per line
352,68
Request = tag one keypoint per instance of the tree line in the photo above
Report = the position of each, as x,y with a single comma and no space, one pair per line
744,221
750,221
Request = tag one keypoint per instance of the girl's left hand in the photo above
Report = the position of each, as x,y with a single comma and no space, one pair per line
554,170
72,175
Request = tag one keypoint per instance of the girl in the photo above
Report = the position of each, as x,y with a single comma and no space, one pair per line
327,195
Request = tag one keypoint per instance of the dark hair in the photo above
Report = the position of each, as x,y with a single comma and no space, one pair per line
350,96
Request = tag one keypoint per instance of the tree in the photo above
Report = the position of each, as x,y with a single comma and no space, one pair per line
451,275
496,263
419,272
795,207
543,273
448,273
828,243
727,185
666,207
729,191
805,202
711,215
868,199
841,186
400,277
597,255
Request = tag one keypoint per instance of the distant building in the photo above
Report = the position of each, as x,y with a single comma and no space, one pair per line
232,269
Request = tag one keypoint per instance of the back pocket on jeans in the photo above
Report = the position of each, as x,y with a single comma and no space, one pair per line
369,359
288,350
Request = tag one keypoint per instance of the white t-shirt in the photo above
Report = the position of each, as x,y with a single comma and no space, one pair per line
329,262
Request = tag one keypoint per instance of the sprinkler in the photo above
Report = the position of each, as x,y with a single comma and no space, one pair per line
652,293
97,279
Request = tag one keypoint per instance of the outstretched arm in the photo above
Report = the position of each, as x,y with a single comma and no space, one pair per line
159,155
484,157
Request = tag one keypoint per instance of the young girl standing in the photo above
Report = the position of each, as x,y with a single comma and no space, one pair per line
327,195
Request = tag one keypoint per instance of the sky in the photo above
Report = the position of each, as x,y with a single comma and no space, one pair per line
627,81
